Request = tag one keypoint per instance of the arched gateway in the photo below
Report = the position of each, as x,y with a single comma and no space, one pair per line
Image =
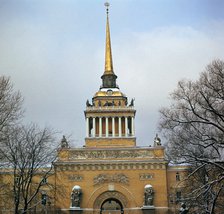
110,202
111,205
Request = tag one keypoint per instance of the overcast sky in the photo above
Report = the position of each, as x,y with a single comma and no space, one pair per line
53,50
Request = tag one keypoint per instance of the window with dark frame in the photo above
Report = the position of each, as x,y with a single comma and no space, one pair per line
177,176
178,196
44,181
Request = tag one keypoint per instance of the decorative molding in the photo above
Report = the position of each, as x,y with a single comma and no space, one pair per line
75,177
107,154
105,178
146,176
109,108
110,166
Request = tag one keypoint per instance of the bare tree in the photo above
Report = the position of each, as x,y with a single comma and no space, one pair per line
26,152
10,111
10,104
194,129
29,152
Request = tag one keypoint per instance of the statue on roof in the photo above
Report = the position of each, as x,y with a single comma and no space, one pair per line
157,141
64,142
132,102
87,103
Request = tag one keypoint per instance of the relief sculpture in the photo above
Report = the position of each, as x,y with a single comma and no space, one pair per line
117,178
109,154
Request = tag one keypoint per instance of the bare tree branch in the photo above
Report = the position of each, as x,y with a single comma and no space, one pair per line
194,128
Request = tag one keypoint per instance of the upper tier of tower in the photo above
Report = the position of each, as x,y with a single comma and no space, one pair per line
109,118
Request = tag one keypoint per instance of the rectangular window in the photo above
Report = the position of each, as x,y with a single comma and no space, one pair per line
171,196
178,196
43,199
44,181
177,176
17,180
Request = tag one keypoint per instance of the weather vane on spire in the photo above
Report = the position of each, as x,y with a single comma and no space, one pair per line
106,4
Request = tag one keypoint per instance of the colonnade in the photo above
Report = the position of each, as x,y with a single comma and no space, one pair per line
110,126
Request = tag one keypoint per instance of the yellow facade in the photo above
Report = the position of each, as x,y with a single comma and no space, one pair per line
118,173
107,173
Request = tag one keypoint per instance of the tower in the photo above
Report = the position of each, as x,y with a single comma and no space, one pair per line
110,174
109,119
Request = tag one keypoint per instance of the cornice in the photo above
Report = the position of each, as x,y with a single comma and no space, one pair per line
111,166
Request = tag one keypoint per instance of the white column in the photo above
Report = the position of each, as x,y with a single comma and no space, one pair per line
107,127
94,127
87,127
126,127
133,126
100,127
119,127
113,127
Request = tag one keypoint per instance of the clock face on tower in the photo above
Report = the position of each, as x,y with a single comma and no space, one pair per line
109,92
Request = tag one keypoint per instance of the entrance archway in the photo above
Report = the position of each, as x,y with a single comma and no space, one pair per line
111,206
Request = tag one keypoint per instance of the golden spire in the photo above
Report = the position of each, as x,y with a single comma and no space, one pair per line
108,52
